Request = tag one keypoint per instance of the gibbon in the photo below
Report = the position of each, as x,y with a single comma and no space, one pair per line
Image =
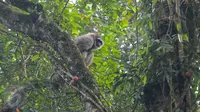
87,44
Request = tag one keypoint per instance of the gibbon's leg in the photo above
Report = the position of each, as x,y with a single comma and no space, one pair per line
84,54
89,58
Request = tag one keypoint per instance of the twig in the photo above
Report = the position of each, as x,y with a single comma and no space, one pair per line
59,18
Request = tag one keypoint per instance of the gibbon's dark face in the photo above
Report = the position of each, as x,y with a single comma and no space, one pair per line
99,43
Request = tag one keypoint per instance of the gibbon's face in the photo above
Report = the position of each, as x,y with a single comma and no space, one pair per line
99,42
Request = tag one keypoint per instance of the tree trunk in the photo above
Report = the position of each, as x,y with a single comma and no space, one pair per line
171,91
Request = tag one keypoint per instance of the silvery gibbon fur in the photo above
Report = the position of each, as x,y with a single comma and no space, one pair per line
87,44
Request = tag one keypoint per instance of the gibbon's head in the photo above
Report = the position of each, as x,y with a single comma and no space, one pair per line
98,41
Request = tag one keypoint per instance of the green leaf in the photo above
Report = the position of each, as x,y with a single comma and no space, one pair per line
134,9
178,26
185,37
144,80
75,31
125,22
150,25
35,57
8,44
124,13
1,62
154,2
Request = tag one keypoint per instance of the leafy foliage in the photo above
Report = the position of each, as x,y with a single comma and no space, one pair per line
131,57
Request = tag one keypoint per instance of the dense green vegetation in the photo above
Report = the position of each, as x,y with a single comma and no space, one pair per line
147,44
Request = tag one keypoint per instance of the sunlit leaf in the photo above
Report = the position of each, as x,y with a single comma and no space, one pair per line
178,27
134,9
7,44
129,1
185,37
35,57
144,79
154,2
150,25
125,22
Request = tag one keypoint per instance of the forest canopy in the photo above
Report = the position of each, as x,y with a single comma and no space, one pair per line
149,61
